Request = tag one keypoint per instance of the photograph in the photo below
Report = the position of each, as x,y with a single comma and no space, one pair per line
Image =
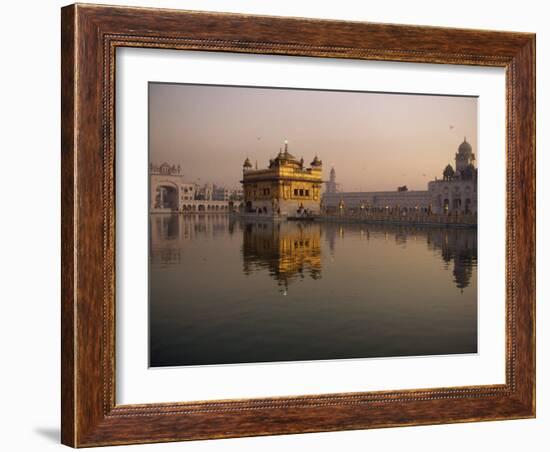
290,225
277,219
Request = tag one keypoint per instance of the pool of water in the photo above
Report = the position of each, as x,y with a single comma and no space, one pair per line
224,291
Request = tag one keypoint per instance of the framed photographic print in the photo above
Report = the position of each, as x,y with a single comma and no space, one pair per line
280,225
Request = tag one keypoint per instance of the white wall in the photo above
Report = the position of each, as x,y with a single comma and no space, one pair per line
30,227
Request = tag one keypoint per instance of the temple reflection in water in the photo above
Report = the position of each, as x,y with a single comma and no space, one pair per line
289,251
225,290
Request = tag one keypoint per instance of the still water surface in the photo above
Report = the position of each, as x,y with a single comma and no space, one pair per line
224,290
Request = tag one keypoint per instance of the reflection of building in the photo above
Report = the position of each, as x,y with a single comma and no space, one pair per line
457,246
456,193
288,250
169,234
165,235
285,188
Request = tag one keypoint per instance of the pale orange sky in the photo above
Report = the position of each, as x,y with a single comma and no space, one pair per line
375,141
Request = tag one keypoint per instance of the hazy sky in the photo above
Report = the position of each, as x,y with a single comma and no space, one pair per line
374,141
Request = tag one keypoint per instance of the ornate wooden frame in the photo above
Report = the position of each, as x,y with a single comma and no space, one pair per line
90,35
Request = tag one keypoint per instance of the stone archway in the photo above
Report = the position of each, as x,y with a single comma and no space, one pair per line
166,196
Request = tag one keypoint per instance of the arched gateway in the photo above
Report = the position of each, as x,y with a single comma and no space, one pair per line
166,196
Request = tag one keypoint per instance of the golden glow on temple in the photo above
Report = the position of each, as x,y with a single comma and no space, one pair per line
285,188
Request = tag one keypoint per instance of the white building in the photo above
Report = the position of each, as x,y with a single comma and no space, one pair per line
168,189
221,193
205,192
414,199
455,193
169,192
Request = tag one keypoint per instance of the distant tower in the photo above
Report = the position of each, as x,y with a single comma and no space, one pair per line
464,156
331,184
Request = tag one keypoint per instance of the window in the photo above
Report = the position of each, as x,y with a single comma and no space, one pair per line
307,192
295,192
301,192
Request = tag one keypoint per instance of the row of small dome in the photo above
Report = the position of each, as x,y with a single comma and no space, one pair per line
467,173
285,158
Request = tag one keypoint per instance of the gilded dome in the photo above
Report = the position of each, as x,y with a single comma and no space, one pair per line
288,156
316,162
284,158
